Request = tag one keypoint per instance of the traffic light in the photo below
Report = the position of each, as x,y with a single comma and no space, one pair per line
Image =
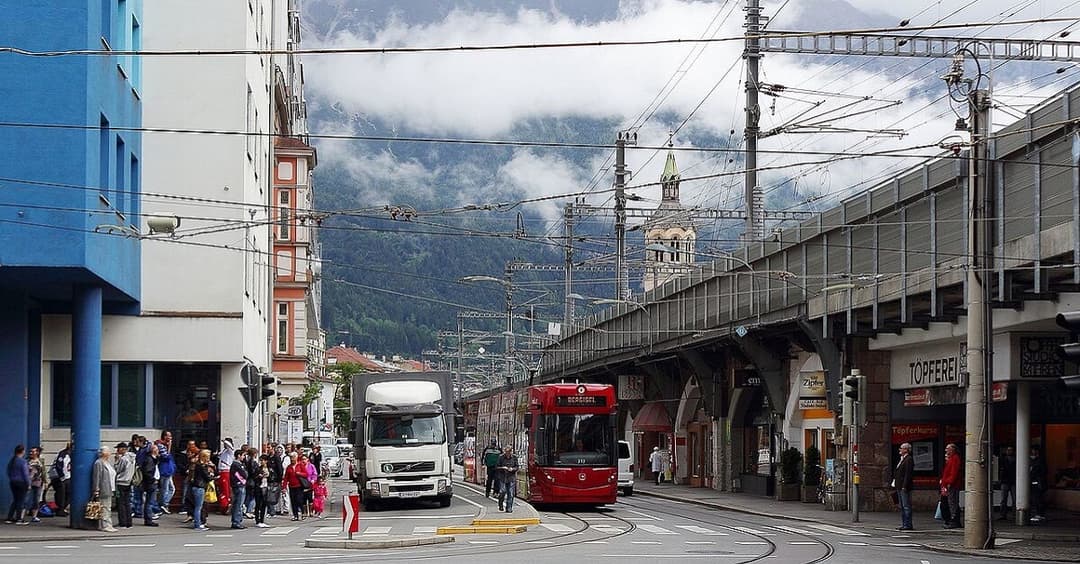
1070,351
854,404
267,387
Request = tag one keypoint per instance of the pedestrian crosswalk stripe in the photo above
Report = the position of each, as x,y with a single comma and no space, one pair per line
656,530
326,531
803,543
750,531
854,543
700,542
700,530
645,542
556,527
837,530
377,531
424,530
903,544
279,531
751,542
798,531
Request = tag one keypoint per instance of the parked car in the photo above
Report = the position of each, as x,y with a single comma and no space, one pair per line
332,460
626,468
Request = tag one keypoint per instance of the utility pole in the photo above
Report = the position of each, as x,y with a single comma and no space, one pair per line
978,528
568,279
460,357
622,284
752,54
509,348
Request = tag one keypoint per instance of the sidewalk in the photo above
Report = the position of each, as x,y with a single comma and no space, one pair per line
1056,539
57,529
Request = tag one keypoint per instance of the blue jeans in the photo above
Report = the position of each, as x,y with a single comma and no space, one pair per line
507,493
197,497
165,493
147,502
238,505
905,507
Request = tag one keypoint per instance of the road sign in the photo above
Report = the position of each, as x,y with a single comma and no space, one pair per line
294,411
350,514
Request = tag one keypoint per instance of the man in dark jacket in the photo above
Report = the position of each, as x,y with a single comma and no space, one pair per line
238,484
1007,477
904,481
148,465
508,469
1037,473
490,457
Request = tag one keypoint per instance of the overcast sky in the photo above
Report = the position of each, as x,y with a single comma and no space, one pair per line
488,94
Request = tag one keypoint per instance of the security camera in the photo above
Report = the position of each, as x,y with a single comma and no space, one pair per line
162,223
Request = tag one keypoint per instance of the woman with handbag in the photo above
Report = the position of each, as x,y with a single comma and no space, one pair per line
104,482
296,479
202,478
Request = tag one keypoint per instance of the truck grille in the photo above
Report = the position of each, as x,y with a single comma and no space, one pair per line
411,488
427,466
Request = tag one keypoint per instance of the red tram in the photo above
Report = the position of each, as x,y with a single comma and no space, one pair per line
564,434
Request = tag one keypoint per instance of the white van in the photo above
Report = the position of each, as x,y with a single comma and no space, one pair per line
626,468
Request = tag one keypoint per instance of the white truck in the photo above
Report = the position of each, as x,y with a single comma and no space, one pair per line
400,430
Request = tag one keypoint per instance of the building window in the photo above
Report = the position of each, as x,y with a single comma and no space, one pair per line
284,217
104,144
283,327
118,40
120,194
106,22
284,264
133,190
135,64
123,394
285,170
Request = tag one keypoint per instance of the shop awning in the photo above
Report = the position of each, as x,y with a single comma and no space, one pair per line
652,417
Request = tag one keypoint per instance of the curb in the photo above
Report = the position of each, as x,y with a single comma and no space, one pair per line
480,530
996,553
396,542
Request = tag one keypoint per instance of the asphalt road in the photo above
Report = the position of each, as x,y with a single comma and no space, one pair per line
636,529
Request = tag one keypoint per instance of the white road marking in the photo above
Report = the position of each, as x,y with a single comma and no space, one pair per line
198,544
837,530
219,535
924,562
700,542
424,530
60,546
750,531
646,515
854,543
539,542
798,531
700,530
594,542
645,542
905,544
556,527
257,544
147,545
656,530
377,531
279,531
467,500
326,531
751,542
1006,541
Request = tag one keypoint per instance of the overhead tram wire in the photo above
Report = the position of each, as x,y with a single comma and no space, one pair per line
503,47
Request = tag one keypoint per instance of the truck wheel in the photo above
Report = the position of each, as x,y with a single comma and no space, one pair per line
628,491
444,501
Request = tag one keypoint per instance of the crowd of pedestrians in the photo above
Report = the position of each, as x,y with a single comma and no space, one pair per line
138,480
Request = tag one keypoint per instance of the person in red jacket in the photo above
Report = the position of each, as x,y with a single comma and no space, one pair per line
952,478
297,481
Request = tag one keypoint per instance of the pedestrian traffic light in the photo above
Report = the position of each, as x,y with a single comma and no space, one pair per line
1070,351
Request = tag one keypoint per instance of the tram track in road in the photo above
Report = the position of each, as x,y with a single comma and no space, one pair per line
658,508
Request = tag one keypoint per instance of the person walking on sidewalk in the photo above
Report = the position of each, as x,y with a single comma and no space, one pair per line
904,481
296,479
507,468
656,464
951,482
490,456
167,468
125,471
1007,477
18,474
225,459
103,479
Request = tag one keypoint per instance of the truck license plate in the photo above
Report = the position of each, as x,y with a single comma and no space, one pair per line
408,494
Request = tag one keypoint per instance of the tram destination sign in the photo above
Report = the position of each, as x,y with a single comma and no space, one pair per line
580,401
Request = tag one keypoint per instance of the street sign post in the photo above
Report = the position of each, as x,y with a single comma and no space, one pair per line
350,514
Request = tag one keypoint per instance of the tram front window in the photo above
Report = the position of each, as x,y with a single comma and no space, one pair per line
576,440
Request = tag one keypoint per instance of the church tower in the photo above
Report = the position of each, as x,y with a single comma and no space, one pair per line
670,233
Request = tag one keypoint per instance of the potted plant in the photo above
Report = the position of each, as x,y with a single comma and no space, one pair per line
789,475
811,475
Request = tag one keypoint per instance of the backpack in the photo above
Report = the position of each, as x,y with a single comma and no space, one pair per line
56,469
136,478
491,458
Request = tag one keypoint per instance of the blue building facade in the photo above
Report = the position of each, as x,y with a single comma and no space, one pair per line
70,153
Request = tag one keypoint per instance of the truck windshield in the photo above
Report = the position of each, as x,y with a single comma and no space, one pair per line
576,440
397,430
